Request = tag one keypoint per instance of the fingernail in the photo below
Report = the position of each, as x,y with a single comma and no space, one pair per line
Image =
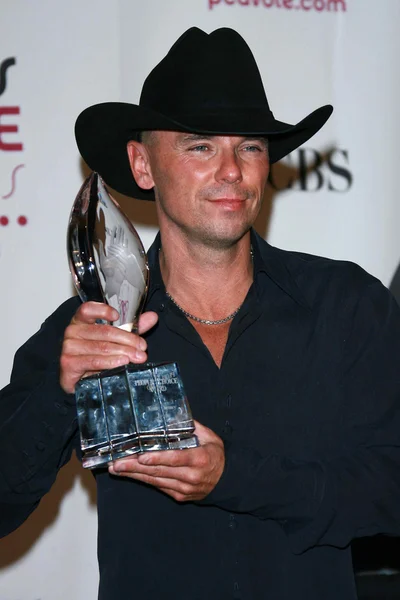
142,344
140,355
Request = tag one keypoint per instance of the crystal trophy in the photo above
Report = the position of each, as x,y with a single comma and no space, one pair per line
134,408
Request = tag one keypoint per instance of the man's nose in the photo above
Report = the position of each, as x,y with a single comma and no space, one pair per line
229,169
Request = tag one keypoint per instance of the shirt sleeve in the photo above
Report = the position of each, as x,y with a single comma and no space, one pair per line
332,501
38,425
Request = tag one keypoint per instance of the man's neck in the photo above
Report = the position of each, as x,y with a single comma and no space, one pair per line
207,281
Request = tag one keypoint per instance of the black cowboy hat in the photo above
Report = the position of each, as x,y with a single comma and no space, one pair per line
207,83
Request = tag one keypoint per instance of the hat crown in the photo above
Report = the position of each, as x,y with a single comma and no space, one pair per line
205,73
208,84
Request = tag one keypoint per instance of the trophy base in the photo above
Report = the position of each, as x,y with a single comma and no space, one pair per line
131,409
92,459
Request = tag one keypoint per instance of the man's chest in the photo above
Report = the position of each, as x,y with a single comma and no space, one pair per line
277,388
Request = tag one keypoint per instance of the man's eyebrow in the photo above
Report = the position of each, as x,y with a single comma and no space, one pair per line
194,137
257,138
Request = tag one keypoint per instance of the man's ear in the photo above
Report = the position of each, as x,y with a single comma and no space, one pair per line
139,162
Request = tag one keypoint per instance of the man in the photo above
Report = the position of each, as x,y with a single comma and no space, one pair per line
287,361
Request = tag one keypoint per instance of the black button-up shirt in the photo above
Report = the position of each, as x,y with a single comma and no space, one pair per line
307,403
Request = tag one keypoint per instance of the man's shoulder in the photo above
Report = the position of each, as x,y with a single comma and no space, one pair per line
322,267
319,278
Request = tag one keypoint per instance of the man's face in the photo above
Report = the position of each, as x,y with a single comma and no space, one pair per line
208,188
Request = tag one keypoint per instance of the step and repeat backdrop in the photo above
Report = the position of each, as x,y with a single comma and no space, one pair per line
337,196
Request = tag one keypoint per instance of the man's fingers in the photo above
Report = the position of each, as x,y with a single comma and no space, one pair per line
82,325
102,334
90,312
136,464
104,349
187,474
146,321
109,334
89,347
160,482
81,364
166,484
170,458
206,435
158,471
85,365
82,356
73,367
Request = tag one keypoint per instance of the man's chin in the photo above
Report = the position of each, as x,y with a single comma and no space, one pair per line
222,238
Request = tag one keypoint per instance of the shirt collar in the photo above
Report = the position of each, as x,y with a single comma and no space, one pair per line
267,259
275,264
156,282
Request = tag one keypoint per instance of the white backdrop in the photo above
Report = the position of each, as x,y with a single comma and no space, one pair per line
68,55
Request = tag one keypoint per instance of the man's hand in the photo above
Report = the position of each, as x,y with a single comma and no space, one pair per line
182,474
89,347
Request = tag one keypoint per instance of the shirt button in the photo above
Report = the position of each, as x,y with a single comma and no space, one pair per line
40,446
161,307
227,428
232,522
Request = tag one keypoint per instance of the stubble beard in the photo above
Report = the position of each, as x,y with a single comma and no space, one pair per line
218,234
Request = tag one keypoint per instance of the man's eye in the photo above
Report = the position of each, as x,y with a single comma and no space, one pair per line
252,148
199,148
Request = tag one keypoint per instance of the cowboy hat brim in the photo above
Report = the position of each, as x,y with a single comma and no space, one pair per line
102,132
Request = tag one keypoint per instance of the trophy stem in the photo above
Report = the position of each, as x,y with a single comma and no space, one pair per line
127,327
135,325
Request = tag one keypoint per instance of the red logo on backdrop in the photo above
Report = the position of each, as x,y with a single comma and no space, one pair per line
9,138
306,5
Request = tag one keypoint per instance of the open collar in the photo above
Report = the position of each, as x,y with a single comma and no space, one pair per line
267,259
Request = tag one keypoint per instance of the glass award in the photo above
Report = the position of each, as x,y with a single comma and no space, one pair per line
134,408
